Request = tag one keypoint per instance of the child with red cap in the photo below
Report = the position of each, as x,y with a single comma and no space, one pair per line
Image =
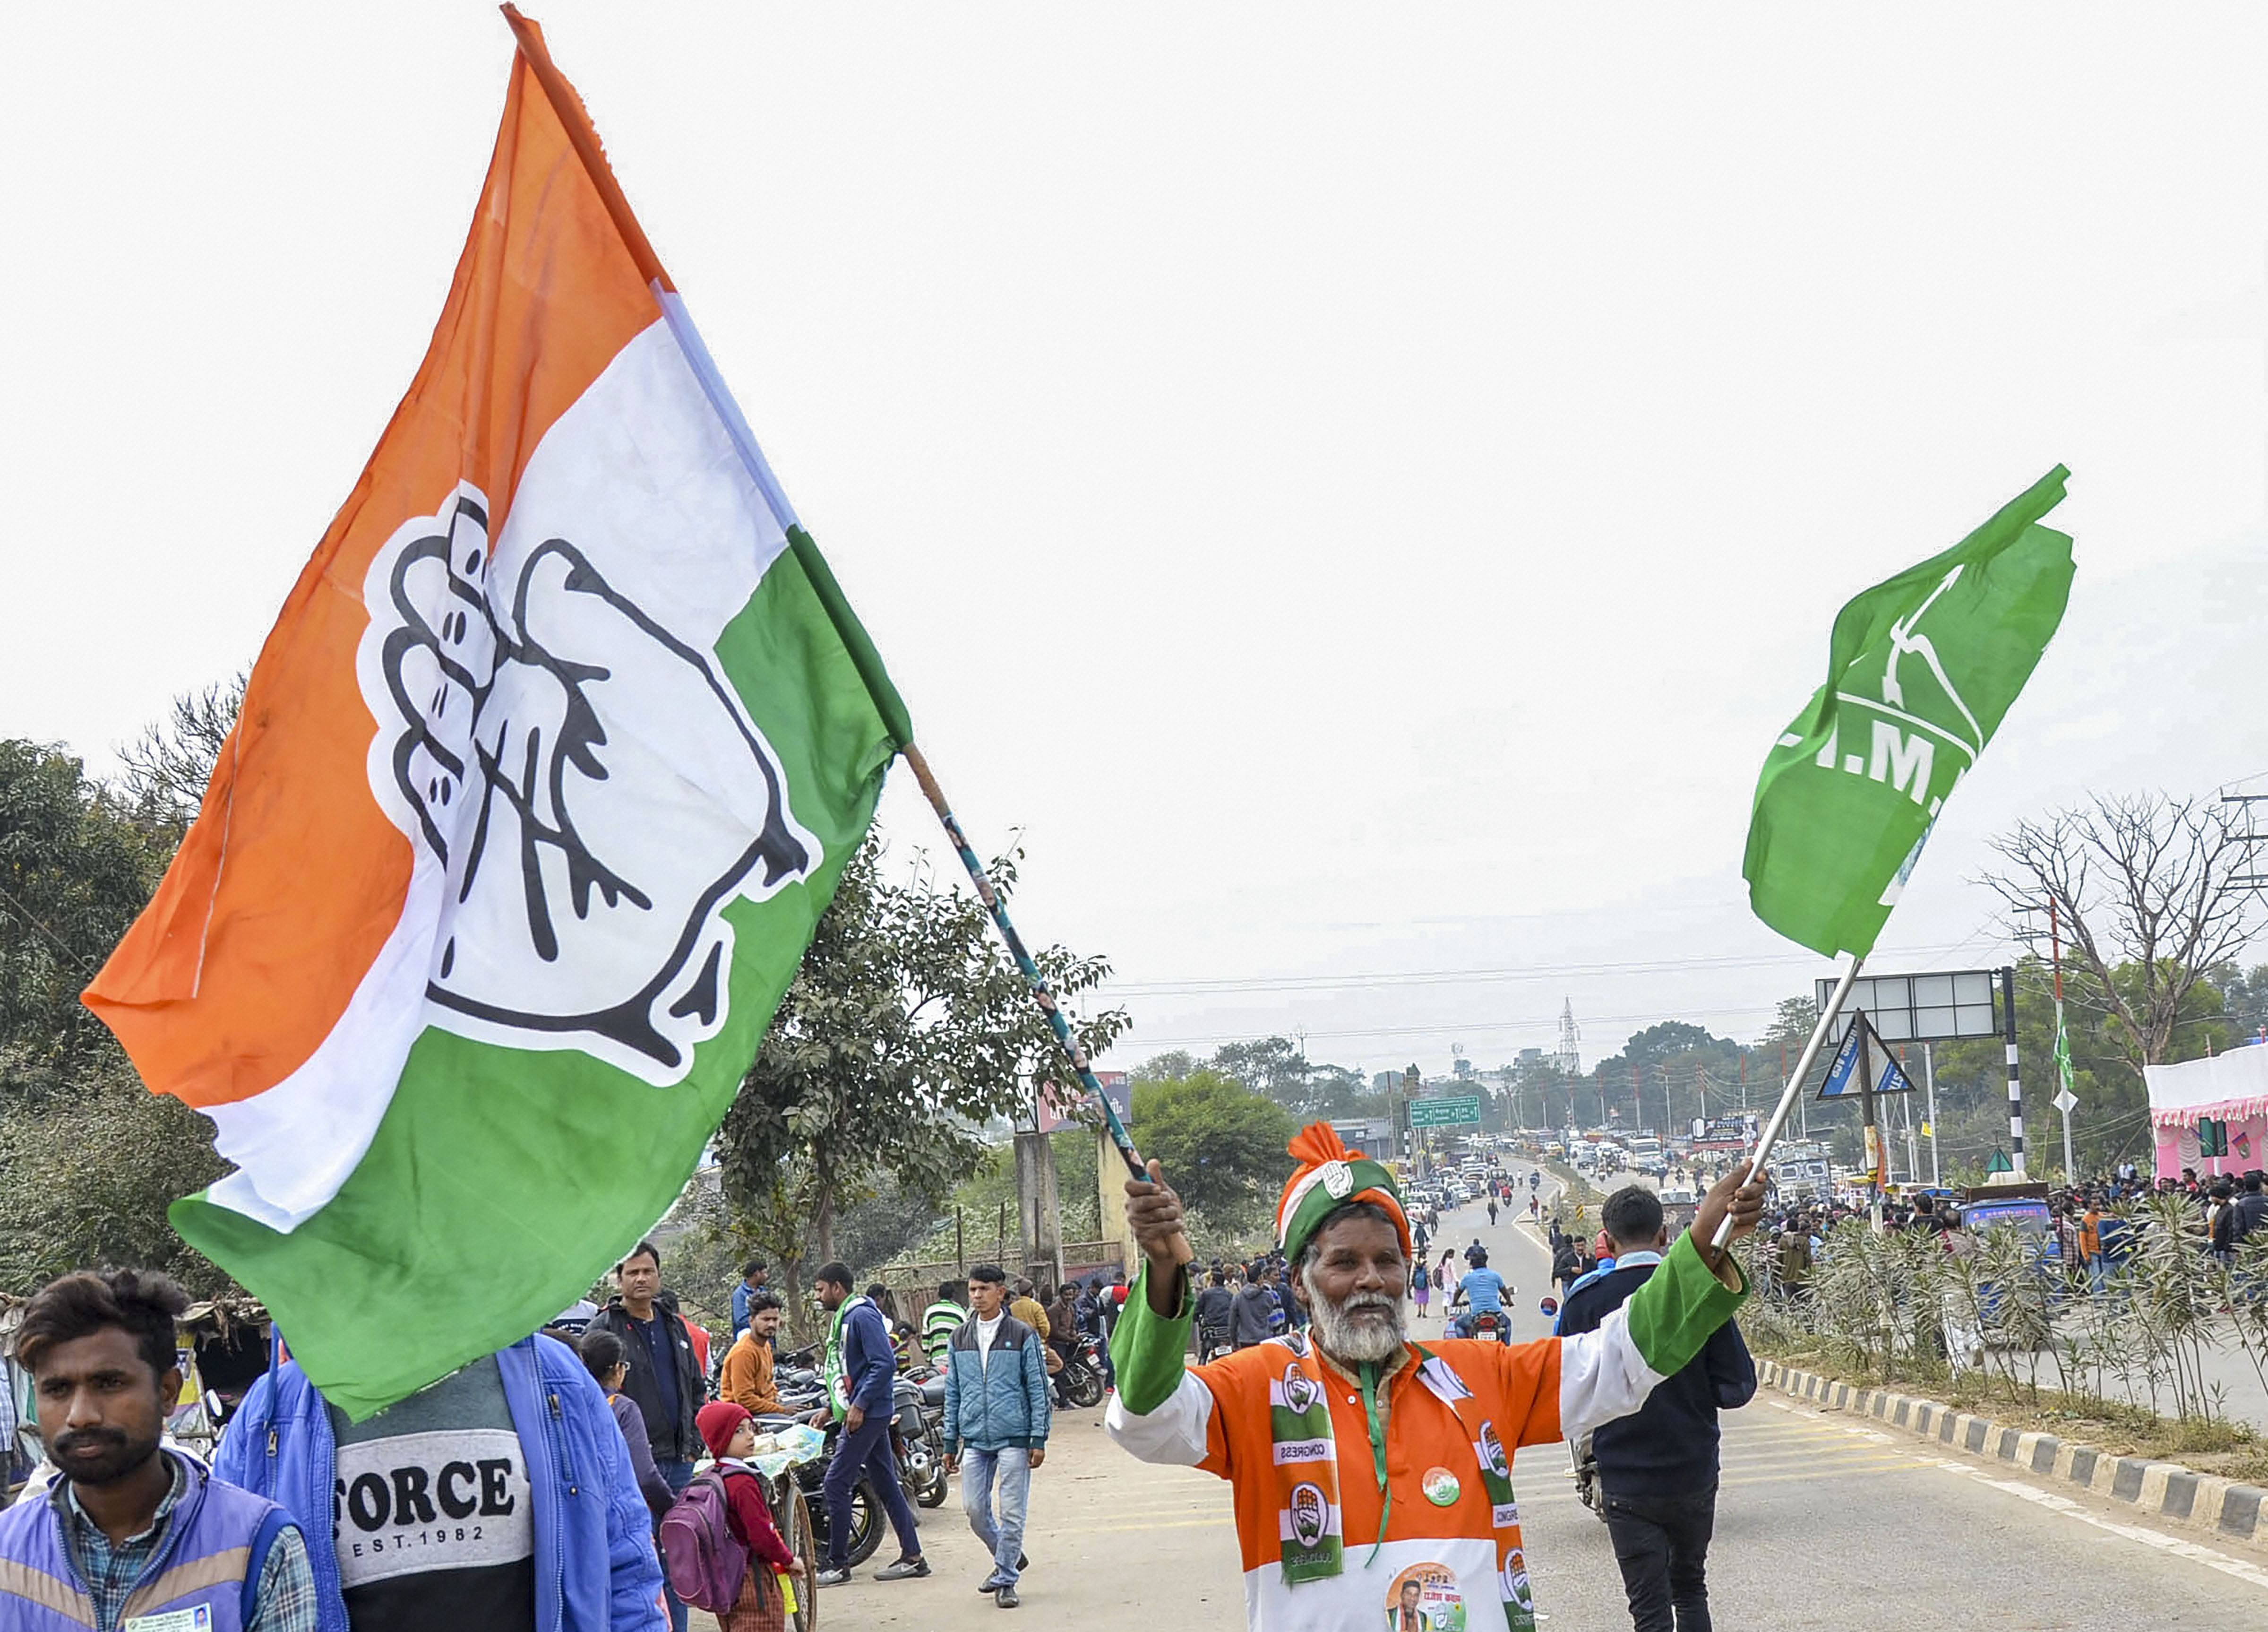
730,1433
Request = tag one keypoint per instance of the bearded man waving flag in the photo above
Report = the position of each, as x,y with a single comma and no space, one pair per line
1423,1530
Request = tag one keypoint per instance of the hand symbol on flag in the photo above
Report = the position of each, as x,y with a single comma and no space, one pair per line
594,792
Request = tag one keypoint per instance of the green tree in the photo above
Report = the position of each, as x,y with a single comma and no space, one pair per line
905,1031
85,1180
1170,1067
1221,1144
75,872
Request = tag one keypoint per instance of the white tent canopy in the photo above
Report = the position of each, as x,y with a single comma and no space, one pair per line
2230,1085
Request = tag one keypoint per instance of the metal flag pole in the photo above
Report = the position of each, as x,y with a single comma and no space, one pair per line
1033,977
1770,1137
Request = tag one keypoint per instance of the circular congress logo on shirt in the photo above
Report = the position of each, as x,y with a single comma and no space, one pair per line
1441,1487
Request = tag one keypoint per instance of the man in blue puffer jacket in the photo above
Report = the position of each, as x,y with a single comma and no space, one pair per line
996,1422
501,1499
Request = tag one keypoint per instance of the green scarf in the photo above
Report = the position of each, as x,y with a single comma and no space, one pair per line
832,1375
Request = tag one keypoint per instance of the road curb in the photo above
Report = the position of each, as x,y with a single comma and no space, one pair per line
2230,1510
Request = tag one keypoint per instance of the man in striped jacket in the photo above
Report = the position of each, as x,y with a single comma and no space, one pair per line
1373,1475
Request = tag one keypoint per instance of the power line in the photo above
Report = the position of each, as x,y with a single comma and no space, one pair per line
1201,987
1442,1028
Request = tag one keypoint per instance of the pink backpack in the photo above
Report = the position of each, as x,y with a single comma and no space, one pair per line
704,1565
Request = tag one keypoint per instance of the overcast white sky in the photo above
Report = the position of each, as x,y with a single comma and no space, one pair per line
1360,488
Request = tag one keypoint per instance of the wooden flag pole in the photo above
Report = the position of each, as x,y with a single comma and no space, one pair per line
1771,1135
1038,982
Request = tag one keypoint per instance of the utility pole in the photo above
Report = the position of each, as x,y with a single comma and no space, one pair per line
1929,1076
1871,1137
2016,1078
1913,1152
2064,1095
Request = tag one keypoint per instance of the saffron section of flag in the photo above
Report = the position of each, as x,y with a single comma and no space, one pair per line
541,782
1921,671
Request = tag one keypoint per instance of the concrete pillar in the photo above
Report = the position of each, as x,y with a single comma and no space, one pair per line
1111,1186
1039,1217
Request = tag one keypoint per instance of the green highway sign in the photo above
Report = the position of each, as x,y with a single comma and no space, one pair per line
1459,1110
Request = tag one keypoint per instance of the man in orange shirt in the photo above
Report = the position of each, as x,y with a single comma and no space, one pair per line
748,1379
1370,1474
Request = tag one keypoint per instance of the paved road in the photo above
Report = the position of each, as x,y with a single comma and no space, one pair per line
1825,1525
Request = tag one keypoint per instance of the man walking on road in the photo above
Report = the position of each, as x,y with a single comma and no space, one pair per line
1491,1209
1658,1469
996,1424
665,1378
861,1370
1251,1316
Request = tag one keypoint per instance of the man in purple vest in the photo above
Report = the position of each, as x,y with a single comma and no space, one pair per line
129,1532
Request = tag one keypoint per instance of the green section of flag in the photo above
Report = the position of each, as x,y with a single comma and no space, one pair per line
502,1182
1921,670
2062,1050
1681,1304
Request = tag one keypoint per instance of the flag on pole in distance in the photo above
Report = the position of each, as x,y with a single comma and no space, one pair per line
542,780
1921,670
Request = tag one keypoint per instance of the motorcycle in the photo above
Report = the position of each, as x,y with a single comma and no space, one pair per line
1081,1377
1486,1323
917,1438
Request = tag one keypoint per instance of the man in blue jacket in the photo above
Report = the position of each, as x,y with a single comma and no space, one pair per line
860,1374
996,1422
1657,1468
500,1499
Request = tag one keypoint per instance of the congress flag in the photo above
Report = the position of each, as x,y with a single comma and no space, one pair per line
1921,670
542,779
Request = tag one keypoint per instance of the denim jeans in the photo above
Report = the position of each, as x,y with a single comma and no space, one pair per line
866,1448
1662,1545
2094,1273
677,1475
1008,1471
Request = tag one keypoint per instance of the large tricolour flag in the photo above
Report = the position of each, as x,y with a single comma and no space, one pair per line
541,782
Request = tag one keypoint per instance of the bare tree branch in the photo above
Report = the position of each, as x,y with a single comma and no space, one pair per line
2145,896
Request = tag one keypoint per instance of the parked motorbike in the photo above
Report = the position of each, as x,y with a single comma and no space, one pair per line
917,1438
1081,1377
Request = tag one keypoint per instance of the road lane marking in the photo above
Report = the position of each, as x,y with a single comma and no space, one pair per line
2158,1541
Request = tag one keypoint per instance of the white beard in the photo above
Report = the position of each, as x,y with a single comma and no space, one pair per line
1347,1331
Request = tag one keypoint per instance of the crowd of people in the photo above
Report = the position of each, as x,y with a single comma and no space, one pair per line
530,1487
536,1486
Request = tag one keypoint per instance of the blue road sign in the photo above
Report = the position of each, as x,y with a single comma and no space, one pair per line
1842,1076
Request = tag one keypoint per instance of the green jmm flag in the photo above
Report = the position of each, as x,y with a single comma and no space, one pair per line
1921,671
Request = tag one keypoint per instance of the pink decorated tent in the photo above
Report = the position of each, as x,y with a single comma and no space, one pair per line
2231,1087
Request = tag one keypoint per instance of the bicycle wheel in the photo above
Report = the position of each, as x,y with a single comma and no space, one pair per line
795,1530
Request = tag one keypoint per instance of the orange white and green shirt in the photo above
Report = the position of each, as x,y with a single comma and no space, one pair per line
1341,1527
